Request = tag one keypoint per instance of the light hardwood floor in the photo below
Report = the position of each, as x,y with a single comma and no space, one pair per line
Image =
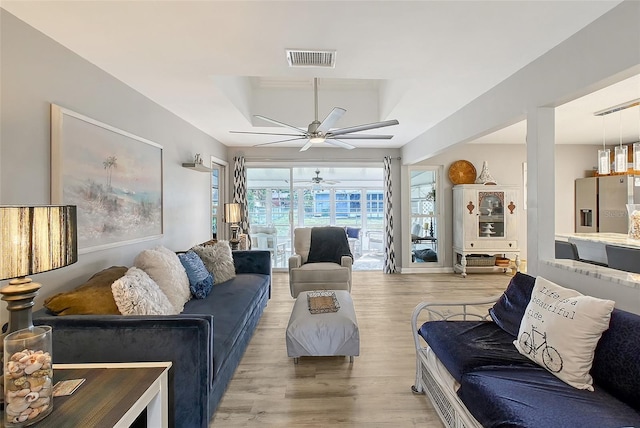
268,389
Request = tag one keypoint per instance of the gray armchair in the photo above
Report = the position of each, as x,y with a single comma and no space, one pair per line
305,276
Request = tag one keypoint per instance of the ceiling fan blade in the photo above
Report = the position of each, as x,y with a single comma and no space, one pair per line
304,131
331,119
280,141
266,133
362,137
340,144
342,131
306,146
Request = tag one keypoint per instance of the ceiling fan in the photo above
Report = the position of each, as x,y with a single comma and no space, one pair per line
319,180
316,181
321,132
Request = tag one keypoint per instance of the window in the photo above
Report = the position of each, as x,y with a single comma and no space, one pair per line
217,195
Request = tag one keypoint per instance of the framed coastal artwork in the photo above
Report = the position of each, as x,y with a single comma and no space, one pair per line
112,176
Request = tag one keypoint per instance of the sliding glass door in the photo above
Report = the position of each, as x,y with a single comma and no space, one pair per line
280,199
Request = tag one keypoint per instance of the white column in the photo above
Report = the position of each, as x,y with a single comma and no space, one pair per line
540,186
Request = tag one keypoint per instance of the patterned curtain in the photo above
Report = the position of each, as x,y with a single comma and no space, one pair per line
389,253
240,190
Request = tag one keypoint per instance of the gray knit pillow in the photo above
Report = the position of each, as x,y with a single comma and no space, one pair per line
218,260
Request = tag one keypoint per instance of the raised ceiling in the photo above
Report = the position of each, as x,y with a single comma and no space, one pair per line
217,63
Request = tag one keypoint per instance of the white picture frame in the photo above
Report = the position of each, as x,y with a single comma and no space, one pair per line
114,178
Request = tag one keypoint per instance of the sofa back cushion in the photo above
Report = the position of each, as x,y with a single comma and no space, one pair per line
616,363
508,311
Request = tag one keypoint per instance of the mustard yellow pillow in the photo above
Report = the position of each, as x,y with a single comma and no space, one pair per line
94,297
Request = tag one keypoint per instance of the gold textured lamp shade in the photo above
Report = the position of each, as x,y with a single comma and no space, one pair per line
233,216
233,213
33,240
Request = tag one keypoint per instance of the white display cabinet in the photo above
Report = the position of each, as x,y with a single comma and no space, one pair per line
485,224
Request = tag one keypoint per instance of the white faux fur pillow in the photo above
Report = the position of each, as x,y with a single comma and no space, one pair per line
164,267
137,294
218,260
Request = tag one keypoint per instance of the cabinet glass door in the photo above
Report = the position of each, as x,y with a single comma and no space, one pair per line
491,215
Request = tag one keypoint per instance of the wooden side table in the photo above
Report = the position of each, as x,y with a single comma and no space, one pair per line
113,395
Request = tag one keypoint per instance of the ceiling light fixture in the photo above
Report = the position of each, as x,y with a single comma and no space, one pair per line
604,155
636,148
621,152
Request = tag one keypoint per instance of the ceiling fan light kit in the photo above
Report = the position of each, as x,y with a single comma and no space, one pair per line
321,132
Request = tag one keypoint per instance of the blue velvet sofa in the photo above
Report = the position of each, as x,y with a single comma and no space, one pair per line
205,342
475,377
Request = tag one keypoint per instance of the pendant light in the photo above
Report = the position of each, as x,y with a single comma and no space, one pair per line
604,167
636,149
620,158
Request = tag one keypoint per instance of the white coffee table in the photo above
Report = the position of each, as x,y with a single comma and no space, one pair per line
326,334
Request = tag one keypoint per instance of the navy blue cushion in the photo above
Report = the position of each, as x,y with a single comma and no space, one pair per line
200,279
616,363
463,346
353,232
533,397
508,311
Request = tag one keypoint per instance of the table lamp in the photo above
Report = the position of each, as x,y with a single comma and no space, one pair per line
33,240
233,216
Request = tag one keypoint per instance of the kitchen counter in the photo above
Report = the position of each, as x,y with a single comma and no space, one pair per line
591,246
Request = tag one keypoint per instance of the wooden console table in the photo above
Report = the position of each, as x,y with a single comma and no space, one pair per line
113,395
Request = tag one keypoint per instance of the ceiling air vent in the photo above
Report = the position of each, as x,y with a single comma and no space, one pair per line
307,58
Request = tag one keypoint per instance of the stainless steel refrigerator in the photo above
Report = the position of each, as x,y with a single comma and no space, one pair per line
601,202
586,210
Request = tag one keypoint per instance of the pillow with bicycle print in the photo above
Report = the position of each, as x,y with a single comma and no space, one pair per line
560,330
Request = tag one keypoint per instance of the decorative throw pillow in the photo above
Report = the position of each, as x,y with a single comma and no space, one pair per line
200,279
94,297
561,329
137,294
164,267
508,311
218,260
353,232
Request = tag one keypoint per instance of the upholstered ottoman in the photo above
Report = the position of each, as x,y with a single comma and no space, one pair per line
323,334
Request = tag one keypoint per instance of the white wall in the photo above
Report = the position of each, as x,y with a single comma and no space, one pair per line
35,72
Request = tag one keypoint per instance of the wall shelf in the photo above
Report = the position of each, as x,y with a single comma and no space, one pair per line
196,166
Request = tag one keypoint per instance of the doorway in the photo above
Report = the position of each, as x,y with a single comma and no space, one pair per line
424,217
